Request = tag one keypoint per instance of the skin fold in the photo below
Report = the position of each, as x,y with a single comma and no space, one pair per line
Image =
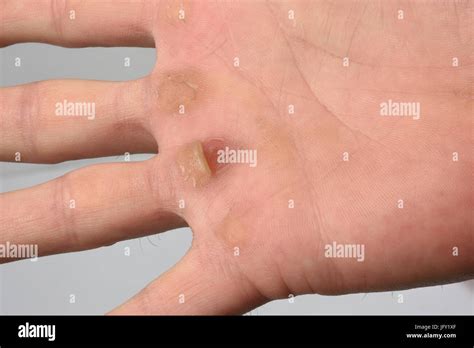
259,233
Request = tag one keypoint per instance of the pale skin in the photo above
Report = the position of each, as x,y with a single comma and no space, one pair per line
304,193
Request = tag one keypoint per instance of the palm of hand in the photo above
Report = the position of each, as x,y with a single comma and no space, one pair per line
330,167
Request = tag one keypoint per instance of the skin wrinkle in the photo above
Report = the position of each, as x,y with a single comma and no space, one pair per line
57,16
136,28
354,31
166,195
239,71
327,27
145,302
315,206
316,209
286,287
30,109
241,74
131,122
225,26
232,271
354,131
302,75
68,223
229,206
306,43
209,47
247,288
261,87
462,93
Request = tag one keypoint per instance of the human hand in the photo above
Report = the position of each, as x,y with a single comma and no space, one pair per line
329,167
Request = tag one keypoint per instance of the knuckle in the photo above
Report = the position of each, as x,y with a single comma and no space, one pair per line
64,206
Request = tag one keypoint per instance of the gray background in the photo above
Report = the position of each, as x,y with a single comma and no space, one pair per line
102,278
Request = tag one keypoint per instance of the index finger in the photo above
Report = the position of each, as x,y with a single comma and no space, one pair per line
77,23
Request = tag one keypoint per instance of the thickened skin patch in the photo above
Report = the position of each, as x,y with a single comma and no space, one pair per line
179,91
198,161
193,164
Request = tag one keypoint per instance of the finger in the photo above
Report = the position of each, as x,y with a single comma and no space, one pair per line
77,23
194,286
54,121
91,207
